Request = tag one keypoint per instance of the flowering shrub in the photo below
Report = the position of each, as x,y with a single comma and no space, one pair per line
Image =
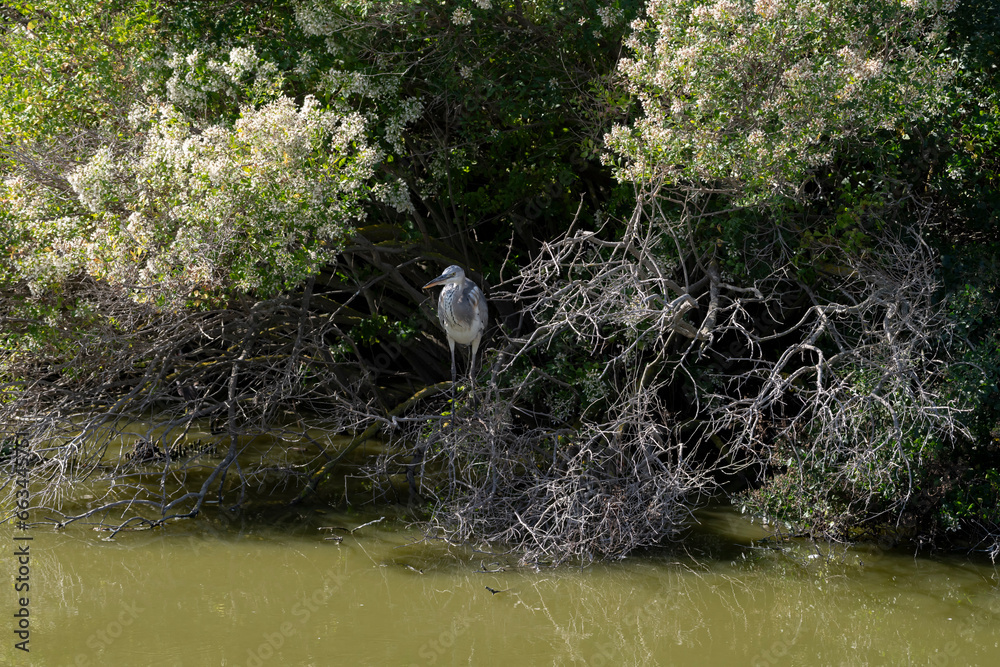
255,207
751,96
195,78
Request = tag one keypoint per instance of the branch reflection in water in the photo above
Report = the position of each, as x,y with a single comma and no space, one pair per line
218,588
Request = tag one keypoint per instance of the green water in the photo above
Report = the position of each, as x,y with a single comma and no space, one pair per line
256,593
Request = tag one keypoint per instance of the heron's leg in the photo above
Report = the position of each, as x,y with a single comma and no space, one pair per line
472,373
452,420
472,363
452,344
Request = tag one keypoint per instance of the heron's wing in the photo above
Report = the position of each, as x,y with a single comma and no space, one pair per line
470,308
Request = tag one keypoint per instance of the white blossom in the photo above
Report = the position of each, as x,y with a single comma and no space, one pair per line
242,61
610,16
406,112
395,194
92,181
316,18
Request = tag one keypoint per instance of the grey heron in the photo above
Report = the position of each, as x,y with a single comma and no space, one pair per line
462,312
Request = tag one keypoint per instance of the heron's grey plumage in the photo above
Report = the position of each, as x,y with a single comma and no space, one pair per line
462,312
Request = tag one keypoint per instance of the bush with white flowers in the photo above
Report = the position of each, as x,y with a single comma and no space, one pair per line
197,79
257,207
752,95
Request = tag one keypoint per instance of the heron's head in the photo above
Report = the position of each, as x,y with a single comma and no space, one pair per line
453,274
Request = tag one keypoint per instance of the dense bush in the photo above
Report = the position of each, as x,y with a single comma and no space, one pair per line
728,244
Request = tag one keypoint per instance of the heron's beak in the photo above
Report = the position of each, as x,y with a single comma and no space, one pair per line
437,281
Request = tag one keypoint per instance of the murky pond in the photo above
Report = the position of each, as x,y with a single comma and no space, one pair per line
260,592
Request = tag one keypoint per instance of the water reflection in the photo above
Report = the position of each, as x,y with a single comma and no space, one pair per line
246,593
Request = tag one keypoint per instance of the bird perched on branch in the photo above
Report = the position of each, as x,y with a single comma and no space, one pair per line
462,312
